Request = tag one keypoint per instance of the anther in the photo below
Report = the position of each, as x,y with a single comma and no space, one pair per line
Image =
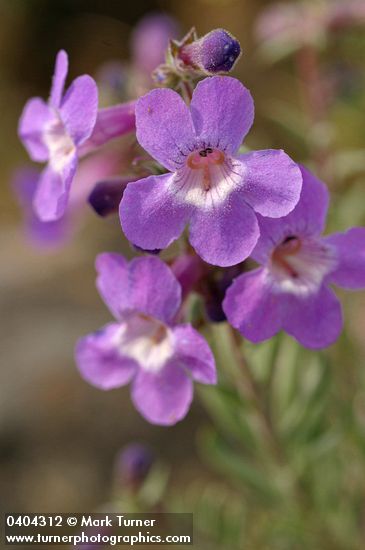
288,239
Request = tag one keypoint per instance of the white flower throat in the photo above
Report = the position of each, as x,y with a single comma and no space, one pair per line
299,265
59,144
207,177
146,340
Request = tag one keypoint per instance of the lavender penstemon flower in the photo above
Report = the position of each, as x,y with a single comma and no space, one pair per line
290,291
55,233
210,186
53,133
171,162
145,346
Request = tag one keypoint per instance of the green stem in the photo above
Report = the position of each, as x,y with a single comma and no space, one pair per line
187,91
273,361
250,390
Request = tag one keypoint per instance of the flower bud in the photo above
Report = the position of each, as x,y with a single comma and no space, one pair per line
188,270
133,464
213,290
216,52
106,196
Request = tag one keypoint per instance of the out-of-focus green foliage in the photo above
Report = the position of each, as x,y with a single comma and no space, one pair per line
290,456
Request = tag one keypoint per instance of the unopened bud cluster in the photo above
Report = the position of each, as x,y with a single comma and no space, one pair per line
193,57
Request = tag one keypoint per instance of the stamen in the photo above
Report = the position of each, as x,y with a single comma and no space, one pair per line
206,178
159,335
159,330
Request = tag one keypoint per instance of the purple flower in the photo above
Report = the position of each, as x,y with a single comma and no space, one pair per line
56,233
52,132
210,186
150,40
144,346
290,291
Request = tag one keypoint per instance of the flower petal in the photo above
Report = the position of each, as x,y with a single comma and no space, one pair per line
350,247
100,362
154,289
111,122
112,281
79,108
24,184
252,308
272,182
193,354
51,196
41,234
34,118
59,78
163,398
91,170
316,320
225,235
222,110
149,215
306,220
145,284
164,127
150,40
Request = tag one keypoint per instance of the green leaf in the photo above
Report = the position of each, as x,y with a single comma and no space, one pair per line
236,466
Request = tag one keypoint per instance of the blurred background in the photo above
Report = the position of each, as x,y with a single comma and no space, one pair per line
59,437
